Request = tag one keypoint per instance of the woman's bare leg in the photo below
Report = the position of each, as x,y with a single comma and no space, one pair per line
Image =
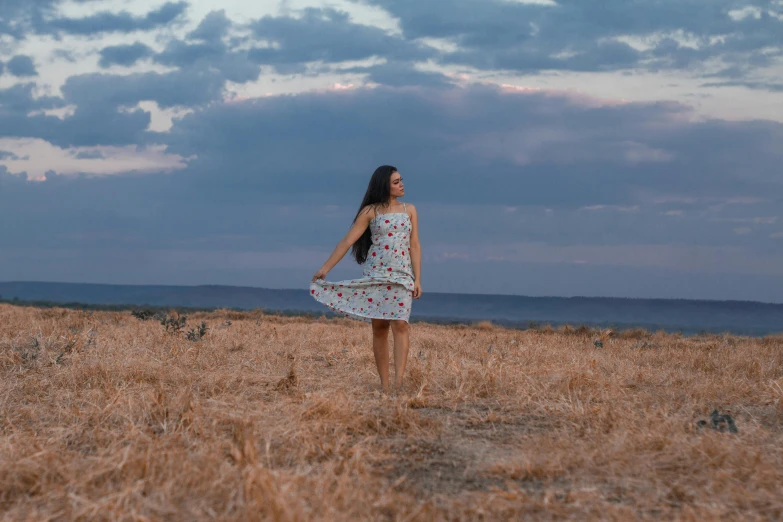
380,347
401,344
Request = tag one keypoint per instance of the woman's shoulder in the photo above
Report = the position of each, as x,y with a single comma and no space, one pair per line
368,211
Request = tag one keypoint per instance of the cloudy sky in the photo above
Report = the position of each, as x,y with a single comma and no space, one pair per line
553,147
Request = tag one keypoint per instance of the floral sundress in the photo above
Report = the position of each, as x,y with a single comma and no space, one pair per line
385,290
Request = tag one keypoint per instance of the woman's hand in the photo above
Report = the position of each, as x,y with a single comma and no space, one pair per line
320,274
416,290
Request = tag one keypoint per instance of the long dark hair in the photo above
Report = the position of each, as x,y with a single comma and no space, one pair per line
378,191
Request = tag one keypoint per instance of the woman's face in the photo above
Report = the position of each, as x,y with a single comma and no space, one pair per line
397,188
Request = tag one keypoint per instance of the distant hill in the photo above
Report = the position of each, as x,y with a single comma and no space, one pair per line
689,316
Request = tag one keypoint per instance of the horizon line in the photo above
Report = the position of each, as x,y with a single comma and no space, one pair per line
436,293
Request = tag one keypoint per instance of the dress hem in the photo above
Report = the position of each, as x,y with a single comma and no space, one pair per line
360,317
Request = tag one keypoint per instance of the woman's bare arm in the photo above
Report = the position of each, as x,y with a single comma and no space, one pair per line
415,245
353,235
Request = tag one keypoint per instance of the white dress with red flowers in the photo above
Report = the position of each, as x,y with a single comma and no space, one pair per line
386,289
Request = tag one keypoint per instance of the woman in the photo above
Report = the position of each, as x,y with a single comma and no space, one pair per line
385,240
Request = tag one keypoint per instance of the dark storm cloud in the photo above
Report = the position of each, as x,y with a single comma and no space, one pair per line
202,68
326,35
181,54
397,74
188,87
108,22
90,124
213,27
489,34
125,55
97,119
211,55
491,171
19,18
100,126
204,48
86,127
463,146
480,144
21,66
18,99
103,102
578,35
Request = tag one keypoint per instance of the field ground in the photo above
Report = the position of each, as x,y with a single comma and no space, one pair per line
107,417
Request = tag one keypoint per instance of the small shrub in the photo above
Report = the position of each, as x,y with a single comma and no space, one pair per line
144,314
173,323
195,334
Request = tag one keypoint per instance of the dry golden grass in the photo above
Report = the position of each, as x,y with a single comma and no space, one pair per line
105,417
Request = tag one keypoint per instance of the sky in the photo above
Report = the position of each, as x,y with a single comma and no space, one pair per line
551,147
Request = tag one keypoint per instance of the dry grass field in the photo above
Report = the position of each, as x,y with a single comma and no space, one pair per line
107,417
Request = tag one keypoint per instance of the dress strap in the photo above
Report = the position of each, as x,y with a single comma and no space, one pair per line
404,208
